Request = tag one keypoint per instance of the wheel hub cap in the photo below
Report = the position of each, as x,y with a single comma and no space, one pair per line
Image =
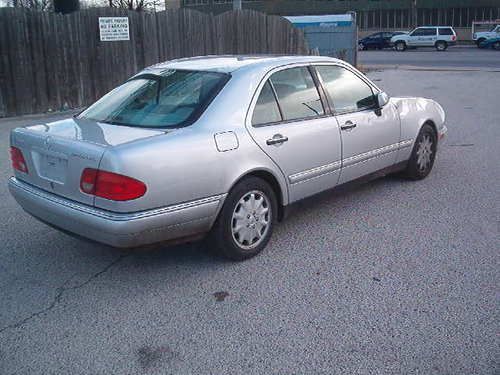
424,153
251,218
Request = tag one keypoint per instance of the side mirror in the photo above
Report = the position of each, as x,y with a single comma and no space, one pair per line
382,99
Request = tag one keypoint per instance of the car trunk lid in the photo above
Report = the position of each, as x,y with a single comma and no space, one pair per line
57,153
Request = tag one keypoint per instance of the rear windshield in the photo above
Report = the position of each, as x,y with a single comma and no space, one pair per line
174,98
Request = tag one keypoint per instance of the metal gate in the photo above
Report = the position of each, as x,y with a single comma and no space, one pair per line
334,35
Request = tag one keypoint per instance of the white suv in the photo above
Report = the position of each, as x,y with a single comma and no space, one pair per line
482,36
439,37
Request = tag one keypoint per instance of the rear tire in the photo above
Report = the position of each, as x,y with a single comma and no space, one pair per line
400,46
441,46
361,47
423,154
246,222
496,46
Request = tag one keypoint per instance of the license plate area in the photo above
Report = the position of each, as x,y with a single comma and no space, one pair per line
52,166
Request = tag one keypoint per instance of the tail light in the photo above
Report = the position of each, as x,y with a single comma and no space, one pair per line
112,186
453,38
17,158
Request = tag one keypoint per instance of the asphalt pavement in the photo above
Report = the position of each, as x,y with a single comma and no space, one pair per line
392,277
456,57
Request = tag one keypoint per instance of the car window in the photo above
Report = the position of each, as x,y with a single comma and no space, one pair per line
346,91
266,110
424,31
297,93
416,32
445,31
170,99
428,31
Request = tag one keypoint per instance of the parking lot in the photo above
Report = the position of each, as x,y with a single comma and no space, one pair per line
392,277
467,57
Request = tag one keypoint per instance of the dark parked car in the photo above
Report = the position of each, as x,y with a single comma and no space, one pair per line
378,40
491,43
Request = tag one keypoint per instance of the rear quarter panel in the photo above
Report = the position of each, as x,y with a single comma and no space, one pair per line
186,165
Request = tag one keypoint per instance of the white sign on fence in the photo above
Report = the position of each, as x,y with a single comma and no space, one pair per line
113,28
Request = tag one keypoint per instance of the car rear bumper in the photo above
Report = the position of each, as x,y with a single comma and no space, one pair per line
118,229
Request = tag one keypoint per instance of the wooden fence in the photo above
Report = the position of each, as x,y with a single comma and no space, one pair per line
53,62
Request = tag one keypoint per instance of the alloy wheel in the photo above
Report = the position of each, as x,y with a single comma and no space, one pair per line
425,153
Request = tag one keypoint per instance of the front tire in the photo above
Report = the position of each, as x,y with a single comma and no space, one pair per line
423,154
400,46
496,46
479,41
246,222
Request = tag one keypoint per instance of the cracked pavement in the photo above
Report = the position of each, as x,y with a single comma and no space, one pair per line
59,294
393,277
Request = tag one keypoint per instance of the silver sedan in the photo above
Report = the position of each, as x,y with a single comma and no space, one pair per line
217,145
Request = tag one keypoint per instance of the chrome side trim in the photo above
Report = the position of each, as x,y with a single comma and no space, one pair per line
314,172
114,216
332,167
405,144
348,162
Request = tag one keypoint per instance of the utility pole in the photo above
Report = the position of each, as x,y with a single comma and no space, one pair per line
413,13
236,4
66,6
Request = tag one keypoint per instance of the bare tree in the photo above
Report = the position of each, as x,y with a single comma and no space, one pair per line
32,4
138,5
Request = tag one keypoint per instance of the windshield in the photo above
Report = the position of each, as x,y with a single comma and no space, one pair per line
173,99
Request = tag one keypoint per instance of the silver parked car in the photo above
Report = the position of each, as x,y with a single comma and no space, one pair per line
217,145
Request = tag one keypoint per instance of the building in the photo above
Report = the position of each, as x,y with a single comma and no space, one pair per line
371,14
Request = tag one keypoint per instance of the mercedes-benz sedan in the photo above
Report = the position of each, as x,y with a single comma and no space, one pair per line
217,145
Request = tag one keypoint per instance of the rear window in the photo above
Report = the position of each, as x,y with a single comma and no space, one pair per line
173,99
297,93
447,31
266,110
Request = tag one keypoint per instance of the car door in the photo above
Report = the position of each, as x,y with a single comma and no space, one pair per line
374,40
386,39
370,135
290,123
415,37
429,36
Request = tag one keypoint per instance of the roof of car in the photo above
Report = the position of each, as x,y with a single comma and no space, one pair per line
437,27
231,63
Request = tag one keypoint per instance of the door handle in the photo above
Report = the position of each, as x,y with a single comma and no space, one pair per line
277,139
348,126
